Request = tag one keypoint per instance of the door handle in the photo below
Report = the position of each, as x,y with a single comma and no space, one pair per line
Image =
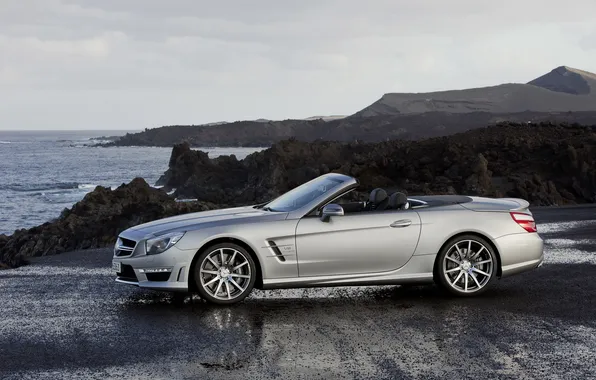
401,223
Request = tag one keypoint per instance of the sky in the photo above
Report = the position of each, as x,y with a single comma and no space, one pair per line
135,64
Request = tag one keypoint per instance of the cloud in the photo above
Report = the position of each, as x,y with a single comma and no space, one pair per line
142,63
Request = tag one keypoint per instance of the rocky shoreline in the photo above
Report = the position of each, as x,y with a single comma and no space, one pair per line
546,164
94,222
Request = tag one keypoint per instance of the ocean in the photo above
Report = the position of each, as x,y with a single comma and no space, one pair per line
43,172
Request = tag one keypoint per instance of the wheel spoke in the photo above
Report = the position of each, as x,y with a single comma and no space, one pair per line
469,248
453,270
483,262
236,285
477,253
221,254
231,261
239,275
475,280
211,281
218,286
228,290
481,272
213,272
239,266
213,262
461,257
466,281
457,278
452,259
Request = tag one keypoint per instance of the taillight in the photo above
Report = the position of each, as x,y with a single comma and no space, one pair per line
526,221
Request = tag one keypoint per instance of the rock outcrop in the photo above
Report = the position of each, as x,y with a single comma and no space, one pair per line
546,164
94,222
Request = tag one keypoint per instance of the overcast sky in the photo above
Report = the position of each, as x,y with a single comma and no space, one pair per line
131,64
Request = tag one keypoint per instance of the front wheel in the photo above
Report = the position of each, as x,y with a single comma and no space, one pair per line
224,274
466,266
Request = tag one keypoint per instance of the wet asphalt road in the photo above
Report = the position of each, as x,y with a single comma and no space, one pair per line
64,317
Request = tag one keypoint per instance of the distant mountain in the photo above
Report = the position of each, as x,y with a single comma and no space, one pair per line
563,89
567,80
564,95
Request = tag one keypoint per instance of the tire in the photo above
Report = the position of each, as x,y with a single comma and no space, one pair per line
466,266
222,284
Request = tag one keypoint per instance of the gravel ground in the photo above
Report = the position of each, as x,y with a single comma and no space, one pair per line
64,317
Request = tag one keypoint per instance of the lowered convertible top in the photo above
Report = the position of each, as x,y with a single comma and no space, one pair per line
441,200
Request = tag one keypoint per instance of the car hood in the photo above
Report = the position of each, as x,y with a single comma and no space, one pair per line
195,220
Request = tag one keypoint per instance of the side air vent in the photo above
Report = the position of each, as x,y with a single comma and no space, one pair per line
124,247
276,250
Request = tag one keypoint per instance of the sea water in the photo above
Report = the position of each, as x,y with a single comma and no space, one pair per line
43,172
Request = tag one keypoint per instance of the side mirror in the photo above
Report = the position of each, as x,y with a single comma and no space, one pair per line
330,210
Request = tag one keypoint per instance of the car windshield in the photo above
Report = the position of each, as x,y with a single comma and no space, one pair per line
303,194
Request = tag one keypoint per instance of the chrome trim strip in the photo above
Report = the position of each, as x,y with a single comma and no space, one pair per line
126,282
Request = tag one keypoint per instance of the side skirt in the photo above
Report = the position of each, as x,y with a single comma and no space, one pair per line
418,270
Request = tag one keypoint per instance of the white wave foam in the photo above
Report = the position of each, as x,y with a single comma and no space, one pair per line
5,142
98,141
87,186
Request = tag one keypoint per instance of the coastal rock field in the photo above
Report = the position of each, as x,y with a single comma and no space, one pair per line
94,222
546,164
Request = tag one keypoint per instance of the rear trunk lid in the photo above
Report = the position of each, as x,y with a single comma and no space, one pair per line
497,204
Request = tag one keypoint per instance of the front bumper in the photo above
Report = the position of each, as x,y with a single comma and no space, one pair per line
520,252
165,271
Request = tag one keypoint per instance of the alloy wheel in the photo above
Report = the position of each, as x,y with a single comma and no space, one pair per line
468,266
225,273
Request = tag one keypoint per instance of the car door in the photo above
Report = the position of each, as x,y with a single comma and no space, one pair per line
366,242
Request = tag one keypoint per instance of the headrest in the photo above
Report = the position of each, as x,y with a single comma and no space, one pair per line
377,196
398,200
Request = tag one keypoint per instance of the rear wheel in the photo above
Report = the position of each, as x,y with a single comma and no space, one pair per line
466,266
224,274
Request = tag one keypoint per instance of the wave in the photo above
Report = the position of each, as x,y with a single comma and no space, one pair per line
28,187
87,186
98,141
5,142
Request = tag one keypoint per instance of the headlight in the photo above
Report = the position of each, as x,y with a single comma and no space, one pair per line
162,243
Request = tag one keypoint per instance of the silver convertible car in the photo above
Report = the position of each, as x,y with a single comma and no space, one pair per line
314,236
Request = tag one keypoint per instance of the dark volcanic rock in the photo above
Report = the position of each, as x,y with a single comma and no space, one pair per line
94,222
546,164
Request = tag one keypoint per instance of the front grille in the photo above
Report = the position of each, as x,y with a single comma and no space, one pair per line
127,273
124,247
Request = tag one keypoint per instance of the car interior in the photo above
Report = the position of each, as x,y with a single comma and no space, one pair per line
378,200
